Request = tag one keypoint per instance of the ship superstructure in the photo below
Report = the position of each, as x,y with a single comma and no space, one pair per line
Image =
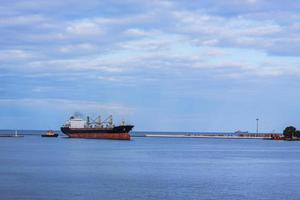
78,127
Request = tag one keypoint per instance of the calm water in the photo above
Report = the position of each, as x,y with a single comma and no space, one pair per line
148,168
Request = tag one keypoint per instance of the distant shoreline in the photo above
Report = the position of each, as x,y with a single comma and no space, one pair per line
208,136
160,134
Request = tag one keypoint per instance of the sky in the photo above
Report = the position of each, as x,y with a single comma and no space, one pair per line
198,65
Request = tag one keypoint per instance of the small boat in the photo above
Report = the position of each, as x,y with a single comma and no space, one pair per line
50,133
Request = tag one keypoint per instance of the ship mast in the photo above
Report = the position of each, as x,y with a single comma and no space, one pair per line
88,121
98,121
110,121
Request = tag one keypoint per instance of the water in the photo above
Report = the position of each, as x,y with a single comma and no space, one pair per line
148,168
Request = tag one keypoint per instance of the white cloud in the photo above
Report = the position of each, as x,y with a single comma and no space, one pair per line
163,36
191,22
67,105
85,28
137,32
98,25
22,20
14,54
83,47
41,89
145,44
79,64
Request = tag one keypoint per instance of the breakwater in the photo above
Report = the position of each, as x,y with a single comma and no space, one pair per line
241,136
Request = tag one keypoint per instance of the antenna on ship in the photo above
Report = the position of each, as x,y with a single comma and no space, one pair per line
123,122
257,119
77,115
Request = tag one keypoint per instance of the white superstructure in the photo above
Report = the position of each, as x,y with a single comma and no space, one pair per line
77,121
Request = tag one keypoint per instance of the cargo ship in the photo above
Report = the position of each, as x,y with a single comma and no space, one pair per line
77,127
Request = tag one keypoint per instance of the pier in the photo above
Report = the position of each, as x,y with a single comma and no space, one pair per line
11,135
241,136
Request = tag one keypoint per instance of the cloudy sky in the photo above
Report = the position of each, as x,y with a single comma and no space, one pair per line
209,65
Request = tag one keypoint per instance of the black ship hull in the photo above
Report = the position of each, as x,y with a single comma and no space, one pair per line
117,132
54,135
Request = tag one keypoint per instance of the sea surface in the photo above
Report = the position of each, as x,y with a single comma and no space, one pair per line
39,168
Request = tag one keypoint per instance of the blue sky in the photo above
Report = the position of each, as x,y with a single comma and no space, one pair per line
161,65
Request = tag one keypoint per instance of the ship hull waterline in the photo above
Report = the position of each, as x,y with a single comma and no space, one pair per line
51,136
110,136
116,133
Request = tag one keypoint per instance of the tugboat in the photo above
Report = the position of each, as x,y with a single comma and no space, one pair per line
77,127
50,133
